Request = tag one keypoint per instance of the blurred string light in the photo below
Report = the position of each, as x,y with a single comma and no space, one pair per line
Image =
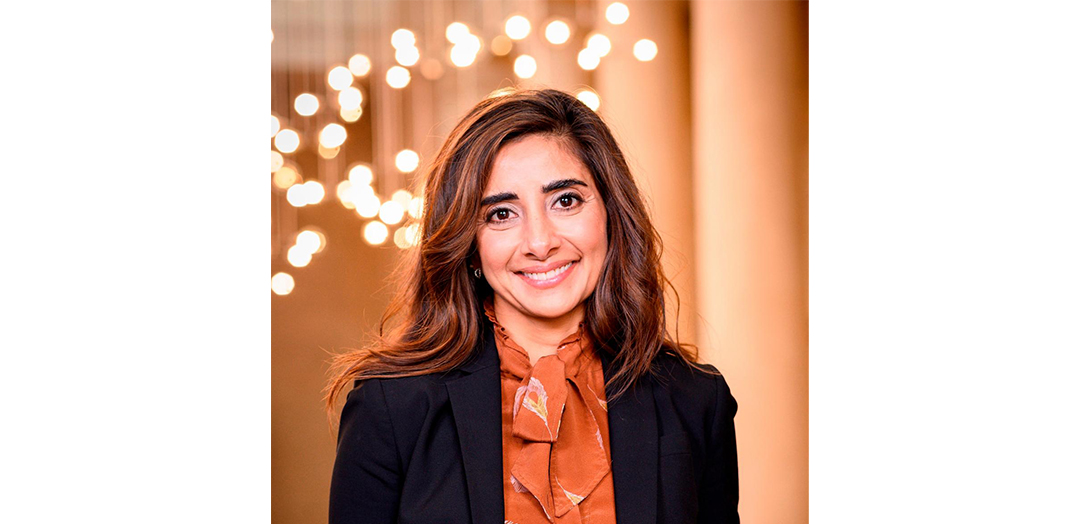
501,45
600,44
287,141
589,98
399,238
407,161
375,233
286,177
359,65
464,51
275,125
456,31
351,115
391,212
306,104
416,207
361,174
525,66
398,77
282,283
331,136
310,240
346,193
402,197
368,205
432,69
517,27
406,237
617,13
402,38
298,257
328,152
557,32
339,78
587,59
645,50
295,195
276,161
350,98
308,193
407,56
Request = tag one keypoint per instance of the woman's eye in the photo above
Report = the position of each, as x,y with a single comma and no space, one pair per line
568,200
499,215
502,214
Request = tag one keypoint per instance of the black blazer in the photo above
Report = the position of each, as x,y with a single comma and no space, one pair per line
428,449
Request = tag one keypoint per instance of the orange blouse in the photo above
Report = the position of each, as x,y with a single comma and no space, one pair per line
556,459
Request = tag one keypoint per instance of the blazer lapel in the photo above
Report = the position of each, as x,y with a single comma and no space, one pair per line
477,405
634,451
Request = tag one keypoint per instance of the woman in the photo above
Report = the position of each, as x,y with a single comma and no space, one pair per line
530,377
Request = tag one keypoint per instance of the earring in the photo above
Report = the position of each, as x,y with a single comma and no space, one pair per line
477,273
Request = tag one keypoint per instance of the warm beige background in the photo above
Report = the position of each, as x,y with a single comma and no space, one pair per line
716,130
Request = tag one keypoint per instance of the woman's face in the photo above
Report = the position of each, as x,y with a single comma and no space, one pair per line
543,234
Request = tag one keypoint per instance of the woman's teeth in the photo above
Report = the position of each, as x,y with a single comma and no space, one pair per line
548,275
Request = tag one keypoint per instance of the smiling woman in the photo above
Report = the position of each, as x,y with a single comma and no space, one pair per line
536,284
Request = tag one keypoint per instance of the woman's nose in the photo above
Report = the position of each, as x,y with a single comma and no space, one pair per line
541,238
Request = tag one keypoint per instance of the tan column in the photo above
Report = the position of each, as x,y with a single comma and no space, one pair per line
750,184
647,105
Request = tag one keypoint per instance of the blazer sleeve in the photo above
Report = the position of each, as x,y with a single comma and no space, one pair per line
366,482
719,497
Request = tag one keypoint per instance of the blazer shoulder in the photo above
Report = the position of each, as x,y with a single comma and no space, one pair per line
690,384
405,394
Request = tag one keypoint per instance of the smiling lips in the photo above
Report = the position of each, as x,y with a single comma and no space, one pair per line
548,278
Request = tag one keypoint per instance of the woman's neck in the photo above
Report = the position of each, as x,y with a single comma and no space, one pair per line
539,337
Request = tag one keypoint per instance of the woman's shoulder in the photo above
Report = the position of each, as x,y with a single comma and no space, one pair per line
692,384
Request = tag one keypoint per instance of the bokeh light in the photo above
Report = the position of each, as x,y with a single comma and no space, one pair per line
276,161
306,104
339,78
346,194
298,256
359,65
588,59
617,13
282,283
391,212
285,177
589,98
295,195
310,240
275,125
416,207
412,234
517,27
431,68
287,141
525,66
399,238
351,115
375,233
333,135
600,44
501,45
350,98
407,161
312,192
407,56
398,77
645,50
328,152
557,32
402,38
367,204
402,197
361,175
456,31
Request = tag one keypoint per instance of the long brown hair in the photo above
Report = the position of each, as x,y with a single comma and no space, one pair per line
434,323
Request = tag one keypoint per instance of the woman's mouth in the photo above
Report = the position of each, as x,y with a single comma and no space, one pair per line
548,278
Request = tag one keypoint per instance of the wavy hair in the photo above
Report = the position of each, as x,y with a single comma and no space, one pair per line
434,323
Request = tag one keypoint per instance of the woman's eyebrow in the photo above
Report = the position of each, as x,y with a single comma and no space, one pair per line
563,184
496,198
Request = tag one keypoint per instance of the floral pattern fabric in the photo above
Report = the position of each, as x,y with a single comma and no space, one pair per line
556,462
